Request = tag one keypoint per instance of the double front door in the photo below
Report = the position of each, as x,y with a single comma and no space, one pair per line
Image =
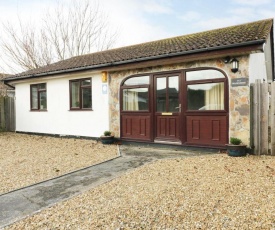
180,107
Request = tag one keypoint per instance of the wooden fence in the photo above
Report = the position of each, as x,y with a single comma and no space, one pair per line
7,113
262,118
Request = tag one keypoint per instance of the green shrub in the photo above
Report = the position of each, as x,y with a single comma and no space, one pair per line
107,133
235,141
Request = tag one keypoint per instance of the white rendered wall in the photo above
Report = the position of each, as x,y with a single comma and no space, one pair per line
257,67
268,59
58,119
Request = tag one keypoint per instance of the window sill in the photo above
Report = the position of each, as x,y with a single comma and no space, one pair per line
38,110
79,110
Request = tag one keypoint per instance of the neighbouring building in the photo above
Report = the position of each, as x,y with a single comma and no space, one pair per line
190,90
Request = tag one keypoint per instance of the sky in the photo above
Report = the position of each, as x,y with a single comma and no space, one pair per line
139,21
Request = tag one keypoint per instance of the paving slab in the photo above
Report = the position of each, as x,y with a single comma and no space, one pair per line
23,202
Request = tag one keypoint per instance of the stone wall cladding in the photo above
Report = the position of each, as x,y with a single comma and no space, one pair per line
239,98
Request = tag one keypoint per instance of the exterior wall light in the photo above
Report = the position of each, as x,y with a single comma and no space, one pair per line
104,76
235,65
234,62
226,60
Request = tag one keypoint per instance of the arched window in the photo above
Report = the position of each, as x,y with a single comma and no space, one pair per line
205,90
135,94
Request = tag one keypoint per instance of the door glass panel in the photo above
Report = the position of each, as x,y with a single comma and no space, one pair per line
161,94
208,96
173,94
135,99
203,74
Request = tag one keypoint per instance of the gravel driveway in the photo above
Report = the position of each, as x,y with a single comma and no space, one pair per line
28,159
205,192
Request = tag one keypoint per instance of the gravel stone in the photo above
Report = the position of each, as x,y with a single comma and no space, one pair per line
204,192
28,159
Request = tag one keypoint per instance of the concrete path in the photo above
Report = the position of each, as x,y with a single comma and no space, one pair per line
19,204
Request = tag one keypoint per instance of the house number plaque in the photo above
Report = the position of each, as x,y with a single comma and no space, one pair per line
104,89
239,82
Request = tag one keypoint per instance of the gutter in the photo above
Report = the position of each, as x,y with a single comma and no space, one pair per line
258,42
8,84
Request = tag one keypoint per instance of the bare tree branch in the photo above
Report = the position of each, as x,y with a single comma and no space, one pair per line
69,30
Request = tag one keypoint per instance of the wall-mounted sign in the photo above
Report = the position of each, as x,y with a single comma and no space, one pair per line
104,88
239,82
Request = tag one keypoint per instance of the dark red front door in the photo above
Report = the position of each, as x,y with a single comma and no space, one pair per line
167,108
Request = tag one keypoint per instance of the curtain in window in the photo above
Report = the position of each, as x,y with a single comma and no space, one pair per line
214,97
130,100
34,97
75,94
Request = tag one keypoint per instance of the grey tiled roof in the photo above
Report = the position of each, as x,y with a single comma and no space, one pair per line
239,35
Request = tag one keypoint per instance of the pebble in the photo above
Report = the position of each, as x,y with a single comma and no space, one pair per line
28,159
205,192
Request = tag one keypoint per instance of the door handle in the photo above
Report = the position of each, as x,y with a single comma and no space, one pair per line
178,107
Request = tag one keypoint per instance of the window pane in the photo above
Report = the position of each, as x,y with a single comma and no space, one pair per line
87,98
34,97
135,99
208,96
203,75
42,86
142,80
75,87
161,94
43,100
86,82
173,94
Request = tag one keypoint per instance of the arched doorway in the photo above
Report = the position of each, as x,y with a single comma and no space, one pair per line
188,107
